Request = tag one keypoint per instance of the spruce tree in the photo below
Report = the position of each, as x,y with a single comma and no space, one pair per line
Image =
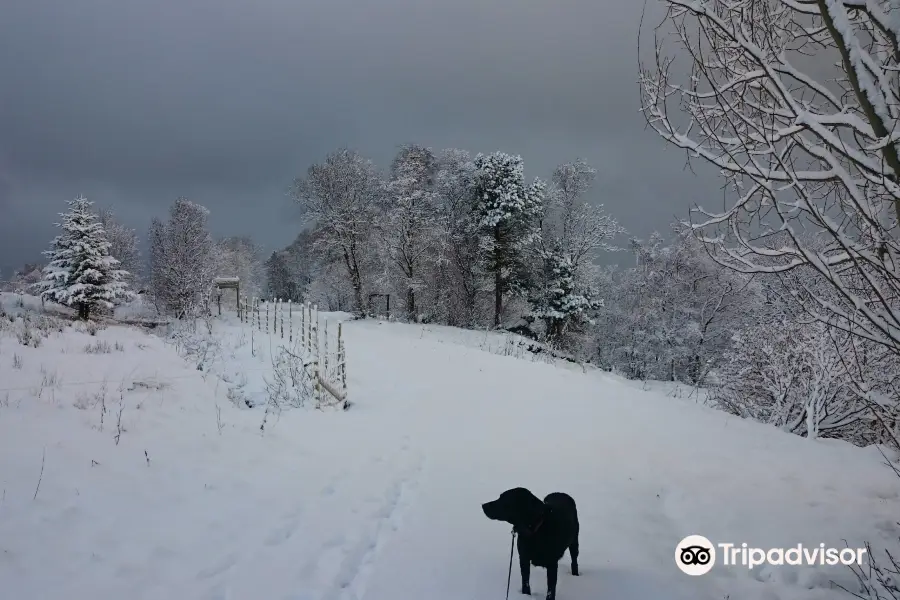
558,299
81,273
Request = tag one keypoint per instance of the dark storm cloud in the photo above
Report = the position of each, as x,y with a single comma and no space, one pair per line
134,103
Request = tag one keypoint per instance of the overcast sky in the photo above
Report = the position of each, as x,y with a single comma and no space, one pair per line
135,102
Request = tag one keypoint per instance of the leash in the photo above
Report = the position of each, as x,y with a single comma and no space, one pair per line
509,576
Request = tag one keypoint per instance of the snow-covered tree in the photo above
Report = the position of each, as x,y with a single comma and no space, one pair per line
239,256
156,261
409,226
581,228
123,244
340,197
329,287
801,148
791,375
280,282
463,270
81,273
672,315
25,280
508,213
572,233
560,299
182,260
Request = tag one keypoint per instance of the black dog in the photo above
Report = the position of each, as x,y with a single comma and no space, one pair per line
546,529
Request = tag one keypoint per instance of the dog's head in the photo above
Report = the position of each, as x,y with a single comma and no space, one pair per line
517,506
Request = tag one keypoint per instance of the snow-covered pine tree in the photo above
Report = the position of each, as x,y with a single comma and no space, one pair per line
81,273
559,300
509,214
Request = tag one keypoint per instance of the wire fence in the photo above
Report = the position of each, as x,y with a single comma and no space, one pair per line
304,336
307,337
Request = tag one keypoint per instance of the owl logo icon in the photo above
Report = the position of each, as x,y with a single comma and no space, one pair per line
695,555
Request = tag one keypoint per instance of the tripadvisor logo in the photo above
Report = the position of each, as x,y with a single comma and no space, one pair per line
696,555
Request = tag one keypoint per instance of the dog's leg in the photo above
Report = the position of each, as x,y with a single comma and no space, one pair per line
525,568
552,572
573,554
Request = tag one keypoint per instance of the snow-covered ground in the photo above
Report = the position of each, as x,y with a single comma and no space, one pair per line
125,472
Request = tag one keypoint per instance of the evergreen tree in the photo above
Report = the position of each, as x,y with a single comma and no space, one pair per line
81,273
509,217
559,300
280,280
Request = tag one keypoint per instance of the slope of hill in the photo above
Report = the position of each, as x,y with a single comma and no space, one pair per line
127,473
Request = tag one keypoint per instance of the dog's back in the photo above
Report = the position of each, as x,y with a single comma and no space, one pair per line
547,545
563,503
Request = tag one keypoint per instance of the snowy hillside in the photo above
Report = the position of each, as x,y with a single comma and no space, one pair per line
126,472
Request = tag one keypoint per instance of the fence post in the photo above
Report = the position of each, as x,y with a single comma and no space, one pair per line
316,321
316,356
290,323
342,368
325,352
309,328
281,310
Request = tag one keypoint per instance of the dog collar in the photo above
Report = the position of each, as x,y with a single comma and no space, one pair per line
532,530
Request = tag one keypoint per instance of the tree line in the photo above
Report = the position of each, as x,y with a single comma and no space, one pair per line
466,241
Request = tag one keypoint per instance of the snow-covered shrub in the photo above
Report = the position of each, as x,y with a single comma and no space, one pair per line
98,347
790,375
291,383
878,580
30,328
90,327
196,343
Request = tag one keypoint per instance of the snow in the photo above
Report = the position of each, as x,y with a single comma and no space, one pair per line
383,501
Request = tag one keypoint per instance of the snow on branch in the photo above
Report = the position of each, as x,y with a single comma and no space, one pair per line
807,147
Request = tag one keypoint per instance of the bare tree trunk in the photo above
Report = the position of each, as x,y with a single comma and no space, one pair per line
357,292
411,304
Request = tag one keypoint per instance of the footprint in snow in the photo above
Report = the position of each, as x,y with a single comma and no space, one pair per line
219,568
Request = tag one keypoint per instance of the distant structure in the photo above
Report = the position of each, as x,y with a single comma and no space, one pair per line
228,283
